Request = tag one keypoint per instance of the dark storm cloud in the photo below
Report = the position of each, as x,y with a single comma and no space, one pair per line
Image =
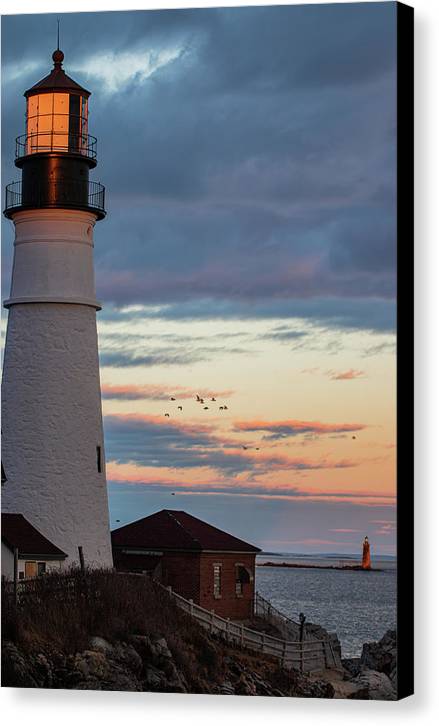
257,163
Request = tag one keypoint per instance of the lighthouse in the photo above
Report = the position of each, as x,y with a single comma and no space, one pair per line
52,436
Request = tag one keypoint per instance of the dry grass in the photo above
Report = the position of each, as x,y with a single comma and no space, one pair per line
62,612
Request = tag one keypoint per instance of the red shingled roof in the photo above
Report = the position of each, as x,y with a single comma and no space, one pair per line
18,532
175,530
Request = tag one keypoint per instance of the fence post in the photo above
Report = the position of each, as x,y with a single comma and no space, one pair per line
81,558
169,589
302,619
262,642
325,655
15,574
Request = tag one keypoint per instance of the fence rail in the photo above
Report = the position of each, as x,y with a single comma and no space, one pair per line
66,193
289,628
306,655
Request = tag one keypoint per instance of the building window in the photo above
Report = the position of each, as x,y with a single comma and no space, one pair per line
41,568
217,580
99,458
242,576
30,570
21,575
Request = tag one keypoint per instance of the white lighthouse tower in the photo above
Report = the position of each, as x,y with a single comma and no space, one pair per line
52,437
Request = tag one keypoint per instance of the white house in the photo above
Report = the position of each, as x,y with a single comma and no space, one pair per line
36,555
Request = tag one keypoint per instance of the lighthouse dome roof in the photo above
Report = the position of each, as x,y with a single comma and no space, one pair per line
57,80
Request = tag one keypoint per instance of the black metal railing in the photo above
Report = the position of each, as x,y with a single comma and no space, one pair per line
43,142
63,194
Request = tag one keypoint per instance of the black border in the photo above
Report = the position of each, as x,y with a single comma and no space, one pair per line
405,347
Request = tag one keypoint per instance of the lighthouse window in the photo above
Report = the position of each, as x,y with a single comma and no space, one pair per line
74,121
99,459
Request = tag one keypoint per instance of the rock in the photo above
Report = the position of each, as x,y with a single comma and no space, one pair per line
352,666
226,689
127,656
97,643
375,686
161,648
92,663
44,668
380,656
153,678
17,670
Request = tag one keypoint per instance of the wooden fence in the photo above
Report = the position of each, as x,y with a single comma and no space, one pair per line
289,628
305,656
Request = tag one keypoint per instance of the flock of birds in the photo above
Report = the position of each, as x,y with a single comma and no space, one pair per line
200,400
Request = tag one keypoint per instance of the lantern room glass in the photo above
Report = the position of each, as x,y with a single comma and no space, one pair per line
57,122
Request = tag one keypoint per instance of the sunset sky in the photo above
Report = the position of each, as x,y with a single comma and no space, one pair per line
248,255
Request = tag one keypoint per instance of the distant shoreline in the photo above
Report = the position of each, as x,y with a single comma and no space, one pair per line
316,567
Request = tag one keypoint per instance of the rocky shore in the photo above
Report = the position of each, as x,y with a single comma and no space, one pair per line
75,631
373,675
147,664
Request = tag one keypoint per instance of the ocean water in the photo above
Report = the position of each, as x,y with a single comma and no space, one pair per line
358,606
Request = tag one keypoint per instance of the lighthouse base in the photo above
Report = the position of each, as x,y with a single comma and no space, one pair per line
52,438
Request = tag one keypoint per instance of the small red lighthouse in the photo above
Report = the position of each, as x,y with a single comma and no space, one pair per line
366,554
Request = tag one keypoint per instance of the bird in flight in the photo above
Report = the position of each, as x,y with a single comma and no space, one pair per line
180,408
213,399
206,408
221,408
354,437
245,448
172,398
167,414
225,408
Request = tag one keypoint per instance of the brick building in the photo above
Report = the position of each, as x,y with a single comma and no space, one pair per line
199,561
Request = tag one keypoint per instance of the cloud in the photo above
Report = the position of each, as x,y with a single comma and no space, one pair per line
119,69
262,182
158,392
344,530
291,427
160,442
348,375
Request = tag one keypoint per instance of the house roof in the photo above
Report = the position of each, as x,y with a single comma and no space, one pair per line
18,532
175,530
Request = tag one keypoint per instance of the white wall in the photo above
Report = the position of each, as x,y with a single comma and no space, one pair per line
52,421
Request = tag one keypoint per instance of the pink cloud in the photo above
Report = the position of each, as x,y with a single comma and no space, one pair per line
349,375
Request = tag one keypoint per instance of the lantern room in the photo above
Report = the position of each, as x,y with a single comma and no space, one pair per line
56,153
56,116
